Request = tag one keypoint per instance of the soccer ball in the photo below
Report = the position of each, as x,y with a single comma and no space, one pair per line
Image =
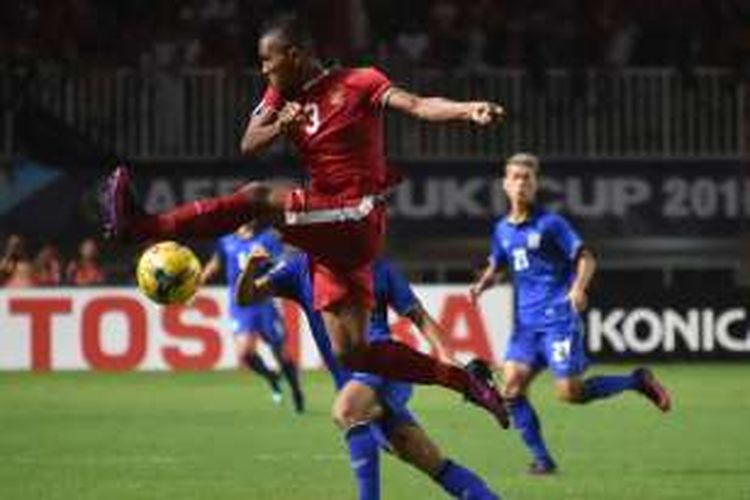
168,273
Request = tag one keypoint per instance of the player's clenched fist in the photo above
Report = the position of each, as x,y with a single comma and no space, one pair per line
290,114
486,113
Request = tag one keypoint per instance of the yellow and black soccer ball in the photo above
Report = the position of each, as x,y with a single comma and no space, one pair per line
168,273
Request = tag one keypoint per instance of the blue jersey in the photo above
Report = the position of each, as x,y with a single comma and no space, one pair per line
234,251
540,254
290,278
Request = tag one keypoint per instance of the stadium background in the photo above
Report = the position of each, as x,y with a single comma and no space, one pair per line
639,111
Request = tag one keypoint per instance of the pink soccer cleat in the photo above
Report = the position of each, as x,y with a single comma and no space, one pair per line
652,389
118,204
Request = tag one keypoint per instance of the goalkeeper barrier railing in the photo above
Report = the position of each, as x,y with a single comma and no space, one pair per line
200,113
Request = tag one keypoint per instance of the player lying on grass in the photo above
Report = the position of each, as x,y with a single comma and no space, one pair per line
369,409
551,269
260,320
334,117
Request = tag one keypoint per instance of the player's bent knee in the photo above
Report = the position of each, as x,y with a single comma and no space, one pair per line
513,391
569,394
269,204
346,416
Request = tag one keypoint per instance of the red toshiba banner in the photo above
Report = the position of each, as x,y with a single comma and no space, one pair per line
117,329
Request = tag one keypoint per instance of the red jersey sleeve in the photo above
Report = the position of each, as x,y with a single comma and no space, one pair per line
374,84
271,100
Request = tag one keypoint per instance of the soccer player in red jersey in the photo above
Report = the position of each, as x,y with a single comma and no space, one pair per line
335,119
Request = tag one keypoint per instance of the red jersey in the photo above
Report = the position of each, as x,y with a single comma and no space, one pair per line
341,143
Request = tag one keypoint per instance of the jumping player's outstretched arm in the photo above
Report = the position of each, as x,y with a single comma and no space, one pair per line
439,109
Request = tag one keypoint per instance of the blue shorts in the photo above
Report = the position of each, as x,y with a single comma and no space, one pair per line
560,347
394,396
263,320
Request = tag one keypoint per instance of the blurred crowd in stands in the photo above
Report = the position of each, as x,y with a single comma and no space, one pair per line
19,268
451,35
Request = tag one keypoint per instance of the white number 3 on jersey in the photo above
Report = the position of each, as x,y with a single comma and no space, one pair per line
312,111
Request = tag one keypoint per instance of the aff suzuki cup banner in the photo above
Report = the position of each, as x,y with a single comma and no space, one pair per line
119,329
606,199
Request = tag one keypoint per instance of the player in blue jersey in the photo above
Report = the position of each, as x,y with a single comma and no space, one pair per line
370,410
551,269
258,321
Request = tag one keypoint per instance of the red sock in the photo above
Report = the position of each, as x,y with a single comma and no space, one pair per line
210,217
400,362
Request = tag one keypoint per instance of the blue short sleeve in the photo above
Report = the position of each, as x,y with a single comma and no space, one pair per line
401,297
270,242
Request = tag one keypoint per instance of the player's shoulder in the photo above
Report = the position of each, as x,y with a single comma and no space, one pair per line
501,224
268,235
362,76
548,218
270,98
381,265
227,241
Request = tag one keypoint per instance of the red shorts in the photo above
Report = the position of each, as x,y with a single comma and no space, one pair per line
343,238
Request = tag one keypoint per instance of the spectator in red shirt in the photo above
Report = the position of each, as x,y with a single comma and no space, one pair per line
86,270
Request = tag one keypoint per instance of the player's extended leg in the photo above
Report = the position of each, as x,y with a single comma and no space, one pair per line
346,323
516,379
124,219
355,407
246,348
566,356
412,445
272,331
289,369
641,380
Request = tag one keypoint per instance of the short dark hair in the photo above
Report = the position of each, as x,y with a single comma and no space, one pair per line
290,29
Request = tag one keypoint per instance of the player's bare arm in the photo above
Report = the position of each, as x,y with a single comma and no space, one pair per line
431,331
211,269
267,125
491,275
585,268
250,288
439,109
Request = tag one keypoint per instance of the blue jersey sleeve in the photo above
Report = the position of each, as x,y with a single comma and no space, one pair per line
498,256
565,236
271,243
401,297
283,279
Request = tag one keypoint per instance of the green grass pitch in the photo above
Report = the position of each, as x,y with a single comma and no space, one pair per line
217,436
